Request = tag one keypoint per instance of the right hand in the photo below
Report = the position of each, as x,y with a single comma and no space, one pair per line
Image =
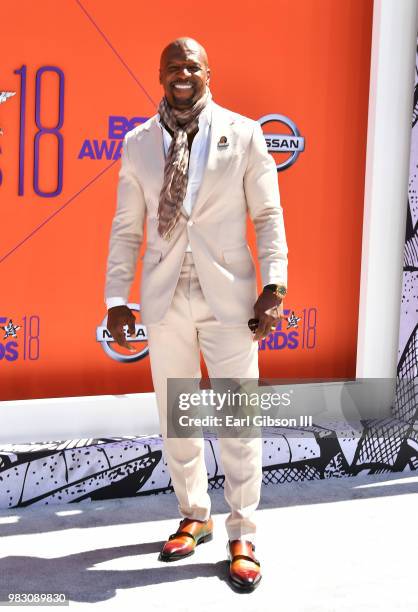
117,317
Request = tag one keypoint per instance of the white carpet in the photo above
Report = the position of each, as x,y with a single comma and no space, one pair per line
324,546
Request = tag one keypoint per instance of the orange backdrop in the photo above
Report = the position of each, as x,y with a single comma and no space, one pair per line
308,60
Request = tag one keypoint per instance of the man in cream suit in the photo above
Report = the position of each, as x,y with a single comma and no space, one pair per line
192,172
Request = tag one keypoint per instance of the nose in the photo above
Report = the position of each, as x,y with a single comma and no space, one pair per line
184,72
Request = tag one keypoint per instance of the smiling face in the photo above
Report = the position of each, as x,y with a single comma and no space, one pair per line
184,72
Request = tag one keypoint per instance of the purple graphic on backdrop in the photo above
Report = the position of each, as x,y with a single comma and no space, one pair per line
19,345
110,148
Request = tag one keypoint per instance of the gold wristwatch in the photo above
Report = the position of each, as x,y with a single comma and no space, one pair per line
278,290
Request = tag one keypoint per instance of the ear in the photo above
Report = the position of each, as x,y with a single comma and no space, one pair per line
159,76
208,76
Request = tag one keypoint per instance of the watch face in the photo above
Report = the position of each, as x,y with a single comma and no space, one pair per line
282,290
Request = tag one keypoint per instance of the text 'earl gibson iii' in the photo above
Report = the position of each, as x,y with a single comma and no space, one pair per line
246,421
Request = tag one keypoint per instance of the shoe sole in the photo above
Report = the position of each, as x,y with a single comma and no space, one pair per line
206,538
244,588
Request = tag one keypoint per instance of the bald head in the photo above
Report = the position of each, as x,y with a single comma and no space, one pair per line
184,72
178,46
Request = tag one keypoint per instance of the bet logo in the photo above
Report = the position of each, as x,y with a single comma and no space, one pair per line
8,350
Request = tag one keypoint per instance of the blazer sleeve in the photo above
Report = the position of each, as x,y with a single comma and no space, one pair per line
265,210
127,230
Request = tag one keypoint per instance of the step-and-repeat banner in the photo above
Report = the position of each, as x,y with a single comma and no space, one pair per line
75,76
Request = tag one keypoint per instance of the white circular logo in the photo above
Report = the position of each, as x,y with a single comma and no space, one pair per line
292,143
112,348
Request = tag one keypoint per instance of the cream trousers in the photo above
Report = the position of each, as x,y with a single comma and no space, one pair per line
229,351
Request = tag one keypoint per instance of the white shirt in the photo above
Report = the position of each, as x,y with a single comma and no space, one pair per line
197,163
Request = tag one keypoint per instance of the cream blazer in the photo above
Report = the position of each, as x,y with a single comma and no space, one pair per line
239,178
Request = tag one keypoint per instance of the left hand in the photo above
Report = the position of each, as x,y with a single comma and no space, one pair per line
268,309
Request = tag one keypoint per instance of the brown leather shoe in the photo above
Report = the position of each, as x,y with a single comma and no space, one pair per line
244,568
189,534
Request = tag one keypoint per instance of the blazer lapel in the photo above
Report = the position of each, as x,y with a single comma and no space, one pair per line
219,157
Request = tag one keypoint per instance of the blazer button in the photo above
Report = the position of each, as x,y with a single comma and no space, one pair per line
189,223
